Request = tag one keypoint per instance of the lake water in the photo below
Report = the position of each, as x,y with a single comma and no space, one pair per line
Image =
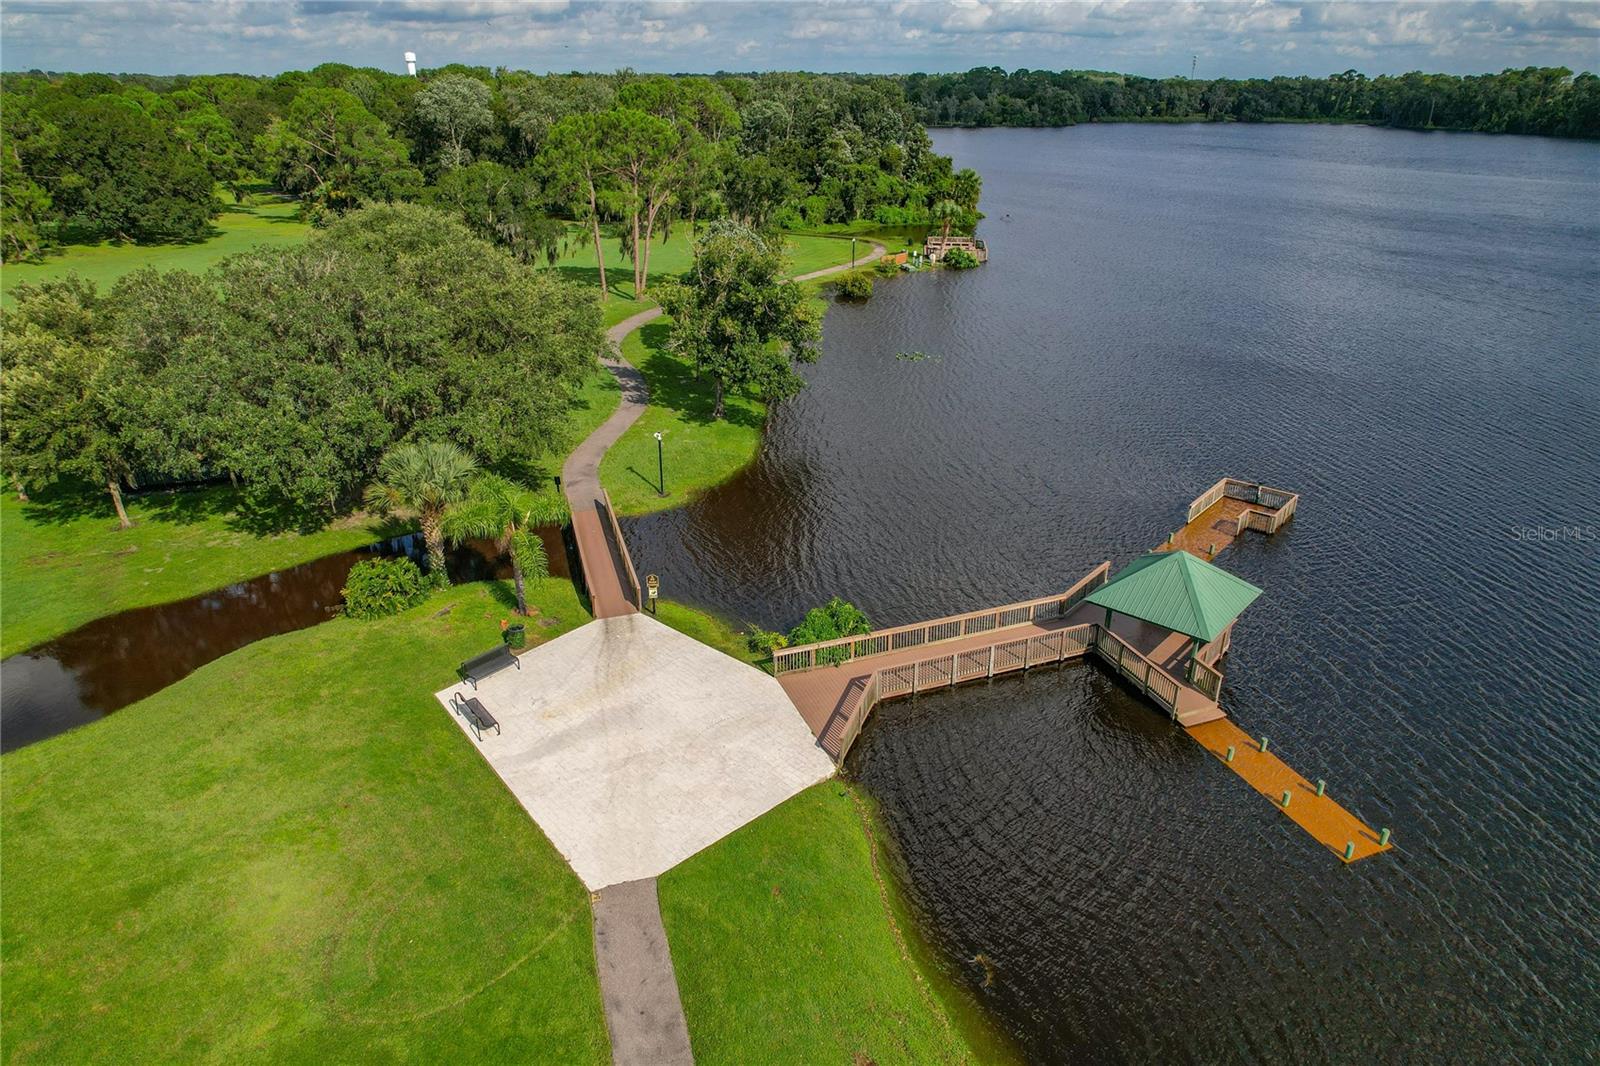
1403,327
112,662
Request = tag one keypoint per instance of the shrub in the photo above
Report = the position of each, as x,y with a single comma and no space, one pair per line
764,641
834,619
379,587
886,267
856,285
959,259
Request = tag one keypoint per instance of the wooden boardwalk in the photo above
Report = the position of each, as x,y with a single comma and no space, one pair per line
1322,817
836,684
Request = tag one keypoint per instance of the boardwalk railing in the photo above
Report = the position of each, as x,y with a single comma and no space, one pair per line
1156,682
944,671
952,627
1273,508
1206,499
1206,679
622,547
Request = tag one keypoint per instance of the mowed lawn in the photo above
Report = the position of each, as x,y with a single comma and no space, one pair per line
784,950
672,257
699,451
240,227
295,855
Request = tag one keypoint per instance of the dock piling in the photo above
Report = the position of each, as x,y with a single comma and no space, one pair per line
1286,797
1322,786
1383,837
1349,850
1263,742
1230,753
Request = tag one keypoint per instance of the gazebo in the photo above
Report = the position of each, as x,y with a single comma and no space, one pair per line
1180,593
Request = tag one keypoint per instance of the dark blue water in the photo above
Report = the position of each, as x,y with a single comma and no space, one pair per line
1404,328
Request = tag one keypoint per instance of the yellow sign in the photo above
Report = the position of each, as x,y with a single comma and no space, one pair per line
652,583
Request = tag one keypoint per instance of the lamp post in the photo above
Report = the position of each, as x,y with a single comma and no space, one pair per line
852,253
661,468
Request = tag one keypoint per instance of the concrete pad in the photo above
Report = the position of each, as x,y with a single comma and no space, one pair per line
634,746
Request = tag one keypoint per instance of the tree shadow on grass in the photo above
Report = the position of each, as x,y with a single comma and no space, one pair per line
621,287
674,387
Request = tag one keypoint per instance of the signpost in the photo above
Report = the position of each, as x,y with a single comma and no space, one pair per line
652,585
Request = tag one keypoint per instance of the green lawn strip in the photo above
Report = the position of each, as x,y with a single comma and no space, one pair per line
700,451
295,854
706,628
784,949
65,562
266,220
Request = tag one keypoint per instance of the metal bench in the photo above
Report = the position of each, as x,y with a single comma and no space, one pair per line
479,667
475,713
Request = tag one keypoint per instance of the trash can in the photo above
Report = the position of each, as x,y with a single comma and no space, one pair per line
516,635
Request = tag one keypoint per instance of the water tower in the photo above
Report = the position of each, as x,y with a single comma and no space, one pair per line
411,64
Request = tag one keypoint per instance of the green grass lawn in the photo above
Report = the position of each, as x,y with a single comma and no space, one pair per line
65,562
294,855
239,228
807,252
785,952
700,451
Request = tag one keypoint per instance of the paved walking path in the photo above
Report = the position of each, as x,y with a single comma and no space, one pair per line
580,479
643,1012
603,569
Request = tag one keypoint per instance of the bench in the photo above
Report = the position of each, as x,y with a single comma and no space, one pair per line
476,714
479,667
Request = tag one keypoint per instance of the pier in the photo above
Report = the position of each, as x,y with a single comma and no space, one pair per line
1162,624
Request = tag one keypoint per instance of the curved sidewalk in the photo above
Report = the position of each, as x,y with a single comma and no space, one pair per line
580,474
580,478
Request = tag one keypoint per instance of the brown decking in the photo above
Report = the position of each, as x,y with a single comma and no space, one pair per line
1212,530
602,567
1327,821
834,700
828,696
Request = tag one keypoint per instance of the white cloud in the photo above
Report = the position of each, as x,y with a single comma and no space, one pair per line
1242,39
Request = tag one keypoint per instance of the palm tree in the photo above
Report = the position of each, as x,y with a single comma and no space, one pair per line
946,212
427,478
508,512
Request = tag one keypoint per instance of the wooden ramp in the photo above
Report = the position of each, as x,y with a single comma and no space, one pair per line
1333,826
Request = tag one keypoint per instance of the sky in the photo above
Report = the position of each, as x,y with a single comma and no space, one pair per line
1232,39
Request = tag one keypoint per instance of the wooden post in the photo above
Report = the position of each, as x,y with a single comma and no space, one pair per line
991,660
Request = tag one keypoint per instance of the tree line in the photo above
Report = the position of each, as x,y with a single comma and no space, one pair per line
291,371
1540,100
516,156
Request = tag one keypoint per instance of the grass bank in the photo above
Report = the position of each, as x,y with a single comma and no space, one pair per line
65,561
786,950
670,258
294,855
700,451
239,228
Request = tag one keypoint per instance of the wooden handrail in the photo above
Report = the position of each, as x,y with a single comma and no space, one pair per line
950,627
622,546
942,671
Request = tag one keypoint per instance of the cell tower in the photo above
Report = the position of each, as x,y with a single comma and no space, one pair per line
411,64
1194,61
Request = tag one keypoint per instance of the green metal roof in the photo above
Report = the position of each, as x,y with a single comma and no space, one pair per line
1179,592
